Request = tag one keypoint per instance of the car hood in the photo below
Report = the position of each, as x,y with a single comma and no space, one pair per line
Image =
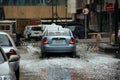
4,68
7,49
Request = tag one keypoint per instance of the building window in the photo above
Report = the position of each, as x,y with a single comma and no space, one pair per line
5,27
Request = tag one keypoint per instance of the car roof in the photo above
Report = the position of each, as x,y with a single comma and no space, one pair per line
1,32
59,29
53,27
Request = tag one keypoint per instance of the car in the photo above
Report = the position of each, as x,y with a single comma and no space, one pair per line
9,47
78,30
58,41
52,26
33,32
6,68
44,26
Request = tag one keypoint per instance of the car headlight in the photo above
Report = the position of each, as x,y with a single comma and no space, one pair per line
6,77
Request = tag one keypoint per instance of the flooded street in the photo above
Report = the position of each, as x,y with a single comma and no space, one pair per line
89,66
92,27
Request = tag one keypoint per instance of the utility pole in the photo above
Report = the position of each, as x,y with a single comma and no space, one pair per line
66,11
52,11
116,21
56,12
101,5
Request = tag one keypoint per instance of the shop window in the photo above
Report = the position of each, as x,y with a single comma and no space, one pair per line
4,27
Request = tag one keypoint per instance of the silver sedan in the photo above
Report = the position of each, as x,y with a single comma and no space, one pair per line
58,41
6,67
9,47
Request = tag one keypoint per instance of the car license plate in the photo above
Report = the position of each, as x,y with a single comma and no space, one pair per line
58,41
36,33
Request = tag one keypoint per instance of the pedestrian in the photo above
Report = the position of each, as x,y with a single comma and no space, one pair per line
17,39
29,33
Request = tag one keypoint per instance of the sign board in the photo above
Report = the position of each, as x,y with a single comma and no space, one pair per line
110,7
85,11
35,22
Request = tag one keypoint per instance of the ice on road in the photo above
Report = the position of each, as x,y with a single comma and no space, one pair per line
90,66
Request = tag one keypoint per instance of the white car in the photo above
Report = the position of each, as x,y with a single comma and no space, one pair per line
52,27
6,67
9,47
33,32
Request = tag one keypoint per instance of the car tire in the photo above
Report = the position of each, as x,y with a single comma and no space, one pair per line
40,38
43,55
17,73
73,54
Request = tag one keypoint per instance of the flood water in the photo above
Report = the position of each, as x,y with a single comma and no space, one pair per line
89,66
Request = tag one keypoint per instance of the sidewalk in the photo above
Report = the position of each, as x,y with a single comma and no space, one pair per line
94,40
104,46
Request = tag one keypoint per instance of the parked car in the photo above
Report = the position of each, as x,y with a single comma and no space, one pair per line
44,26
6,68
78,30
9,47
33,32
58,41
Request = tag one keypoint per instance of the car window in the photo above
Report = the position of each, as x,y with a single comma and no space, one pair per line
58,33
72,28
4,40
1,57
37,28
28,28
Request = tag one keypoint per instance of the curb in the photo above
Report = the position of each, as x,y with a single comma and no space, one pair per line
108,48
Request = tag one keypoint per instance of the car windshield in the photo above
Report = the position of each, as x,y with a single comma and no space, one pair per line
37,28
58,33
4,40
1,57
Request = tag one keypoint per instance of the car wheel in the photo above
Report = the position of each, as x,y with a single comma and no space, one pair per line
43,55
17,73
40,38
73,54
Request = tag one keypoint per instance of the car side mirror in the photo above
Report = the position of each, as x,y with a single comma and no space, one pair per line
13,58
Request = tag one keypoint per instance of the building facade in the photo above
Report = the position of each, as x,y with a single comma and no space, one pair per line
34,9
99,18
50,10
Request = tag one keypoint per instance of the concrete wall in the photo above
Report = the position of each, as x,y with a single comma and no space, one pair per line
26,12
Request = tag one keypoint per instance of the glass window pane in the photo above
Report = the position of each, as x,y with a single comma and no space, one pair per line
4,40
1,57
